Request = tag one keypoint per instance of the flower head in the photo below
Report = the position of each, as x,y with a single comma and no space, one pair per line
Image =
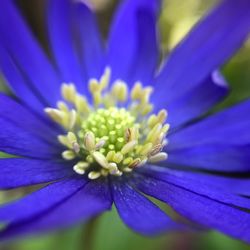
104,124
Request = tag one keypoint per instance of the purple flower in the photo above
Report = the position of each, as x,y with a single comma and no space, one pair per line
98,146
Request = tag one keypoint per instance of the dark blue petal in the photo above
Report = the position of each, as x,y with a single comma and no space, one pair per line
40,201
195,102
146,59
124,45
138,212
199,208
28,58
90,41
19,141
234,185
18,83
24,172
89,201
221,158
230,126
60,28
19,115
214,40
199,186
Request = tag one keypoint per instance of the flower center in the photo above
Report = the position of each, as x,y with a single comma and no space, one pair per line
113,135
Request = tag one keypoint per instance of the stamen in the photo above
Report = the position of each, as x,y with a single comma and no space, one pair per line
104,138
101,159
89,141
120,90
68,155
158,157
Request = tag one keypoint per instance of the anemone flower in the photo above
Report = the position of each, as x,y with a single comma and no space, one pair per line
103,123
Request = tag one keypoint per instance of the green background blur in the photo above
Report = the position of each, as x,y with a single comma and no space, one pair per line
176,19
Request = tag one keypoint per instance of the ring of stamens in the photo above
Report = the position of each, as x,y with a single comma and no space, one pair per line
105,138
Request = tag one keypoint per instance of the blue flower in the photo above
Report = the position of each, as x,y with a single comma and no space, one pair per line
115,149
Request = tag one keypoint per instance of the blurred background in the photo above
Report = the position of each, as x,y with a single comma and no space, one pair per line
177,17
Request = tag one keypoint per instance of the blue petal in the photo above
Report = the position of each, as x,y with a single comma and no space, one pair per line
90,41
233,185
214,40
220,158
40,201
60,28
146,59
19,141
230,126
89,201
17,83
24,172
199,186
124,45
138,212
199,208
195,102
27,57
21,116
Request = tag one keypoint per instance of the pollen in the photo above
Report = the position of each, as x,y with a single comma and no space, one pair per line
113,134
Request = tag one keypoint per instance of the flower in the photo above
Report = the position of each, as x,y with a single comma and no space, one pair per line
119,147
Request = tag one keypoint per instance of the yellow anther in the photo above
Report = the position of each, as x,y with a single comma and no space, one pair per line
146,148
131,134
134,163
127,161
152,120
80,167
145,94
128,147
162,116
71,137
89,141
83,164
97,97
127,170
113,166
118,157
136,91
94,86
73,141
156,149
154,133
158,157
62,106
94,175
78,170
55,114
68,155
120,90
64,140
104,81
68,92
114,170
146,108
72,119
128,133
110,155
101,159
81,104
